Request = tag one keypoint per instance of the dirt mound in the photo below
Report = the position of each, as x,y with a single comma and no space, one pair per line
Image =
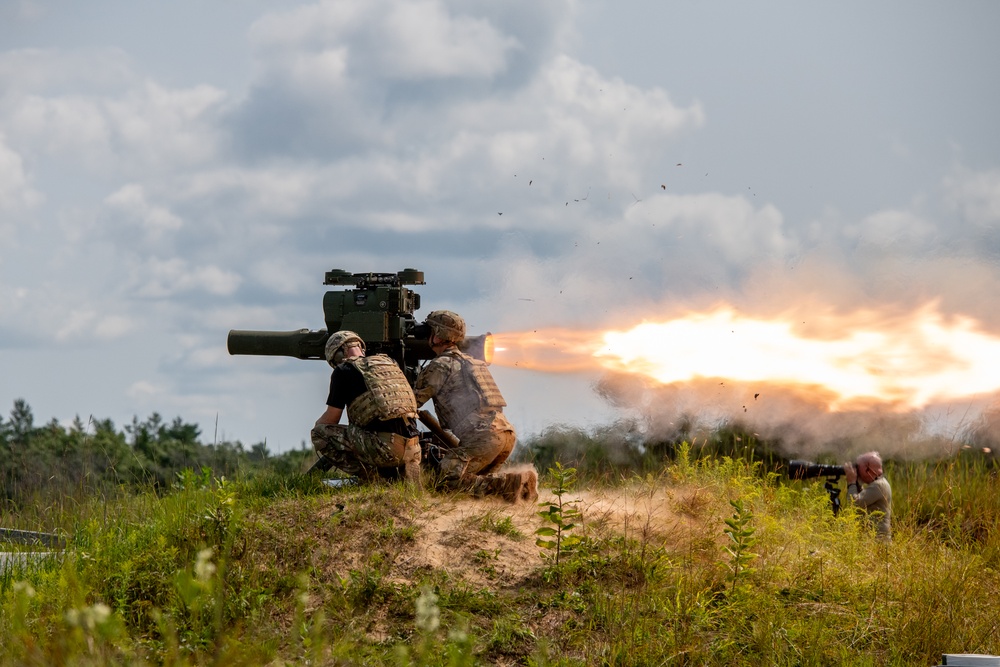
480,540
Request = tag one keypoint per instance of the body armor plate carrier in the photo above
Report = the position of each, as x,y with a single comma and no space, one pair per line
388,396
474,392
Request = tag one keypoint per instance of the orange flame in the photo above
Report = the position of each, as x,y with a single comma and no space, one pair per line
908,361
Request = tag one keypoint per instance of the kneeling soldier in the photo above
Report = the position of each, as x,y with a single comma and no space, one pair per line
381,439
469,404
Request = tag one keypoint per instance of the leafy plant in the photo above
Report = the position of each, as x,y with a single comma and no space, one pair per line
561,514
741,534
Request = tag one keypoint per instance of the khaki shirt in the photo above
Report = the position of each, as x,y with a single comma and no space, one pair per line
466,398
875,498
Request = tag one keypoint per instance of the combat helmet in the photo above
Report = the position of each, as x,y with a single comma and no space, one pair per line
335,344
447,325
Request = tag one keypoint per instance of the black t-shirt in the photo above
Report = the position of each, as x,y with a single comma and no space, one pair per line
346,384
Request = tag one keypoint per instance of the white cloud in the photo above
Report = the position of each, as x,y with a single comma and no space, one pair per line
284,191
723,228
384,39
429,43
144,389
48,71
137,125
64,313
86,323
892,231
15,189
130,202
976,195
164,278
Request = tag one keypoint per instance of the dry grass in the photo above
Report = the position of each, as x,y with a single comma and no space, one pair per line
314,575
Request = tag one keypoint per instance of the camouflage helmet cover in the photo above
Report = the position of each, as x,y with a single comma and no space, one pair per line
447,325
335,343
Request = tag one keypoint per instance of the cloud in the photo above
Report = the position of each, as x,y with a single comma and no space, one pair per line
976,197
15,189
144,389
163,278
111,123
893,231
484,143
51,313
88,323
130,204
53,72
388,39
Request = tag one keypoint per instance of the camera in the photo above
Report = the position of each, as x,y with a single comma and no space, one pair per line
799,469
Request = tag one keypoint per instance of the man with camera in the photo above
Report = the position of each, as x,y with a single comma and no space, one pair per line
875,498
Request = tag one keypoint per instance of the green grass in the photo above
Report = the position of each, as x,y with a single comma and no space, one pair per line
282,570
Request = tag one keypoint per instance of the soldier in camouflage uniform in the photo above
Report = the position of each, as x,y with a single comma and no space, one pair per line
469,404
381,438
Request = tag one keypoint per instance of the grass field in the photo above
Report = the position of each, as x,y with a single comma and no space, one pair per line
710,561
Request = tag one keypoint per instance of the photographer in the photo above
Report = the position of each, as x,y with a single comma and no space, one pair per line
876,496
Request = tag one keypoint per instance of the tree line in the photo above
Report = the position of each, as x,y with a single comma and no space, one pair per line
97,456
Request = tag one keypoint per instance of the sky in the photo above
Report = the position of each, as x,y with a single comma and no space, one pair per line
171,171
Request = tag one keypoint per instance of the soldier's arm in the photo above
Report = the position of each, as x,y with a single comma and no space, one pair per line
430,381
331,416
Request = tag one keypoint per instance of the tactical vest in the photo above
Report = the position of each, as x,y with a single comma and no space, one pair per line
388,394
474,391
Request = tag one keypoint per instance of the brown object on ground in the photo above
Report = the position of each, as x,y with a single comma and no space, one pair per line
447,438
520,486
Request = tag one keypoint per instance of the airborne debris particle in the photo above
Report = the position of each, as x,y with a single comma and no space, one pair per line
663,186
755,396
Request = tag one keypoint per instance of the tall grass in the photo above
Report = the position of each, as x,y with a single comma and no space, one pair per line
254,571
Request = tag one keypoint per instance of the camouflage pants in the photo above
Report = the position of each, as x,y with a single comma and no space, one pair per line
367,454
481,451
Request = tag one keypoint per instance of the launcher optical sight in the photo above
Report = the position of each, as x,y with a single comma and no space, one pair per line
378,307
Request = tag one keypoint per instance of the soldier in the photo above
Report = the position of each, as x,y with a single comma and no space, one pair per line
381,436
468,403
